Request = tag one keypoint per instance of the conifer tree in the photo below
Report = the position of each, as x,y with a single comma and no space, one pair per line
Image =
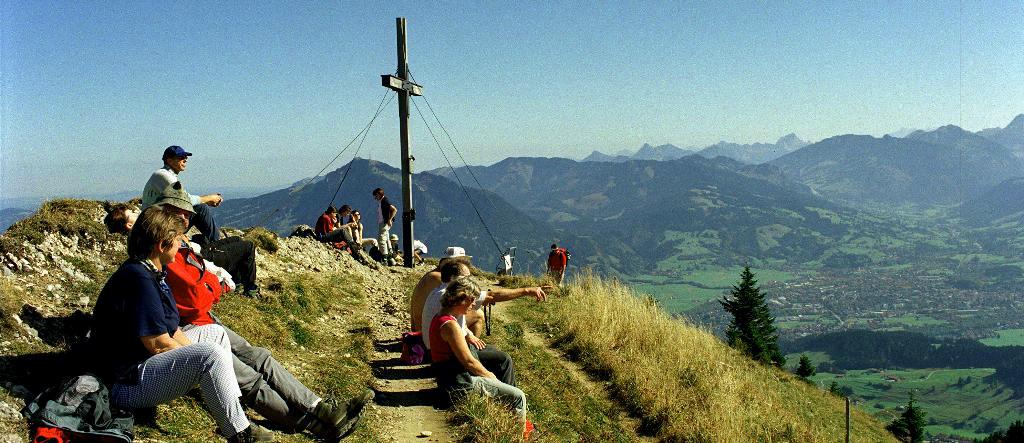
909,428
805,369
752,329
835,390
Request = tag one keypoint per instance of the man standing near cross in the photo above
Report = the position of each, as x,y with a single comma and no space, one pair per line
385,218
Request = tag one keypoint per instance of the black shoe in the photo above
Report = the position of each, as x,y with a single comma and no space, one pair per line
253,292
355,405
333,422
254,433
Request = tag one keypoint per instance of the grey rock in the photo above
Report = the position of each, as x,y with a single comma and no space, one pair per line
9,412
11,438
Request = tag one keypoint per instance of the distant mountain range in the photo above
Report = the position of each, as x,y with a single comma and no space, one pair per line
8,216
753,154
1012,136
944,166
756,153
646,152
681,212
444,217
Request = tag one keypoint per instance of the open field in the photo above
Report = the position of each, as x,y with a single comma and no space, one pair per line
957,401
694,288
1007,337
679,297
913,321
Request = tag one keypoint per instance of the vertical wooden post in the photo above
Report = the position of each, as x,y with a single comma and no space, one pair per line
408,213
847,419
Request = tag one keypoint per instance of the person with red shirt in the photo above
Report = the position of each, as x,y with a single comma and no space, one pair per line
558,259
329,230
456,365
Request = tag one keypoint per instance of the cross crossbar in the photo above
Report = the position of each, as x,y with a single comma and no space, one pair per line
398,84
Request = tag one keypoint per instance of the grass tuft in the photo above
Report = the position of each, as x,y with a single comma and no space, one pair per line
263,238
479,419
68,217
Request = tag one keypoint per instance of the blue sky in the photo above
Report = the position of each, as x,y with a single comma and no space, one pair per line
266,92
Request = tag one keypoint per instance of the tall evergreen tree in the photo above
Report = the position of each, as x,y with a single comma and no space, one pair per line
752,329
909,428
805,369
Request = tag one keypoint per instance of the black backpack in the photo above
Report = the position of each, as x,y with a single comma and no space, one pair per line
81,407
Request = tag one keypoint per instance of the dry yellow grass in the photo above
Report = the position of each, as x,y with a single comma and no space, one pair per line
684,382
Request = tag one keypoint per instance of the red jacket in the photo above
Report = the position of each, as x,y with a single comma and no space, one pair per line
195,289
324,225
558,258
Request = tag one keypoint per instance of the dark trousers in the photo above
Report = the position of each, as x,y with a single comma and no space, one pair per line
203,221
455,380
268,387
338,235
498,362
237,256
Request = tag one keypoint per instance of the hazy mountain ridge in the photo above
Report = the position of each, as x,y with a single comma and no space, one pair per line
1004,200
1011,136
646,152
937,167
692,207
755,153
444,217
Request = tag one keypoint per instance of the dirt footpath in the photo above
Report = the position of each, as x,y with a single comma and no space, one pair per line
406,395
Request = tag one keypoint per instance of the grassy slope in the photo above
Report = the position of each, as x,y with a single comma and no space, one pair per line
684,383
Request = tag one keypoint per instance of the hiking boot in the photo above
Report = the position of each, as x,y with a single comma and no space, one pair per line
355,405
328,413
254,433
332,421
253,292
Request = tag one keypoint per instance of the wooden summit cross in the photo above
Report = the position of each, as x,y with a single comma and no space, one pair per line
401,84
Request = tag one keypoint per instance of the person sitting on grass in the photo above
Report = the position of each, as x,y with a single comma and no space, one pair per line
456,364
329,228
121,219
140,350
491,357
454,269
266,385
355,221
431,281
175,161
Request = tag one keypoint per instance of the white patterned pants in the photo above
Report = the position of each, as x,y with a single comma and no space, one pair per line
169,375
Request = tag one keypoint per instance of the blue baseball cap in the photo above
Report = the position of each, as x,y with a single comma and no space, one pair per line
176,152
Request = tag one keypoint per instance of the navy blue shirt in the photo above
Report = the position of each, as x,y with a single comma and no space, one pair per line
385,208
135,302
